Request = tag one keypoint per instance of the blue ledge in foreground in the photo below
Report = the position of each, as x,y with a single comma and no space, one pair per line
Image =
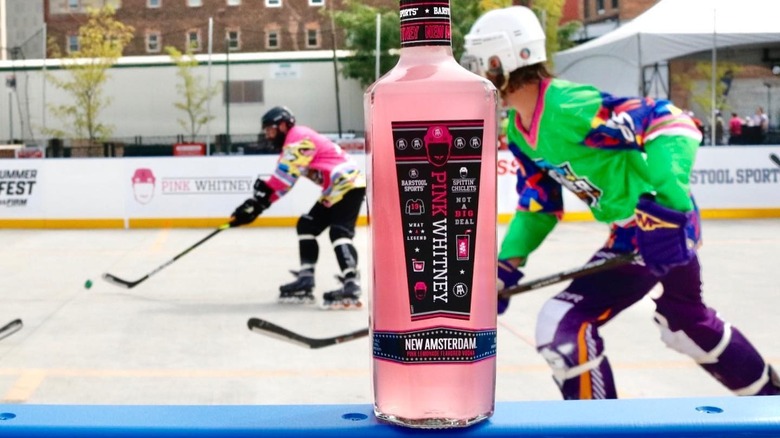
725,417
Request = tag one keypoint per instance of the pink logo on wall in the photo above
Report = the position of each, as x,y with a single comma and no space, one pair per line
143,185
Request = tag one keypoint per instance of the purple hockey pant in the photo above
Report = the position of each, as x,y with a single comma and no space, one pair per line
567,331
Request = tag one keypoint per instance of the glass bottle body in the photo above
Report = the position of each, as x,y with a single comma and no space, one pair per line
433,367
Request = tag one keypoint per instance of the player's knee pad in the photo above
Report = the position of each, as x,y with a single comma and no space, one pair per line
306,228
341,234
574,352
681,342
564,363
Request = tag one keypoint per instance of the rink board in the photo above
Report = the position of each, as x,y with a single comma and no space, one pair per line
682,417
171,192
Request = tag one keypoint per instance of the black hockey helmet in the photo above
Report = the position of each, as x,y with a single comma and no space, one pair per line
278,114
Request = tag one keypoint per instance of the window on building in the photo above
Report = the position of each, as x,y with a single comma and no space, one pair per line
615,4
600,6
73,43
153,42
193,40
153,3
233,40
316,2
233,2
194,3
272,39
273,3
243,92
73,4
312,38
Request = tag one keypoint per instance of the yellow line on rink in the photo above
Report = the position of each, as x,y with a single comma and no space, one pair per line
24,387
290,221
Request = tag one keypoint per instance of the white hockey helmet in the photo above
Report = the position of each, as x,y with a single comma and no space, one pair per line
503,40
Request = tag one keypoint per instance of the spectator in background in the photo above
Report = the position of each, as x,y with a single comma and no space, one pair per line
735,129
696,121
718,128
761,120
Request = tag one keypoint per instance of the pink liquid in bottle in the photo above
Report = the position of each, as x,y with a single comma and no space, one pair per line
431,150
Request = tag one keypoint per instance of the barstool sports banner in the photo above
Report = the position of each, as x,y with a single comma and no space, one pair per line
742,180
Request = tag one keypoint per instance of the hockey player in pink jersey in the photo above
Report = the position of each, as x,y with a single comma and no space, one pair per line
306,153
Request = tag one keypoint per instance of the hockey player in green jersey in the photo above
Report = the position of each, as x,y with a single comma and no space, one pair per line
629,160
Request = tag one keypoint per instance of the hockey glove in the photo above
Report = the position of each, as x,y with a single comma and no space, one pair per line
246,213
508,276
665,238
250,209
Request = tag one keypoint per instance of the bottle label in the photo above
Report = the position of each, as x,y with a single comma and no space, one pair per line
438,168
425,23
435,345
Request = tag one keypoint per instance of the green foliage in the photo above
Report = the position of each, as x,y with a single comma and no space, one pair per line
702,73
359,23
101,42
487,5
549,13
565,33
463,15
194,93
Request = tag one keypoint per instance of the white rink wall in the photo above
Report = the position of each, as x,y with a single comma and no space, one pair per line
728,182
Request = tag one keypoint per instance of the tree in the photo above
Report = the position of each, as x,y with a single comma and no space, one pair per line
696,81
565,33
359,22
101,42
549,13
195,94
487,5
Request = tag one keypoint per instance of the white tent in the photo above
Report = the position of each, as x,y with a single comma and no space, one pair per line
616,61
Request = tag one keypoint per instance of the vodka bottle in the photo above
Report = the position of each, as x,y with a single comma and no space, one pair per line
431,161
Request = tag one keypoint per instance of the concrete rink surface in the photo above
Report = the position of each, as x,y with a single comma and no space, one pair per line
180,337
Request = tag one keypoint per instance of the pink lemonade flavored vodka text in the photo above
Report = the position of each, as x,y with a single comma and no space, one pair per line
431,160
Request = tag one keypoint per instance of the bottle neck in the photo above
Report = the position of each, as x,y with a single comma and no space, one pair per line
425,23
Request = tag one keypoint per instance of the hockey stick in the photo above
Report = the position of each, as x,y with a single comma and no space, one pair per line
587,269
775,158
258,325
10,328
131,284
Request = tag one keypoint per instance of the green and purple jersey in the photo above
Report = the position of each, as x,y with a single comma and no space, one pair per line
606,150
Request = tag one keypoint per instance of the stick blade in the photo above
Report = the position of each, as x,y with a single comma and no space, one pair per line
11,328
118,281
262,326
268,328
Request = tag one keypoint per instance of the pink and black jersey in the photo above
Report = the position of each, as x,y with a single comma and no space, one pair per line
307,153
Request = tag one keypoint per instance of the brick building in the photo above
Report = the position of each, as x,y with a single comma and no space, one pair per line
601,16
270,25
241,25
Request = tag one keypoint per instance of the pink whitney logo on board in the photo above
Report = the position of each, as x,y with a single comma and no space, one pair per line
143,185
